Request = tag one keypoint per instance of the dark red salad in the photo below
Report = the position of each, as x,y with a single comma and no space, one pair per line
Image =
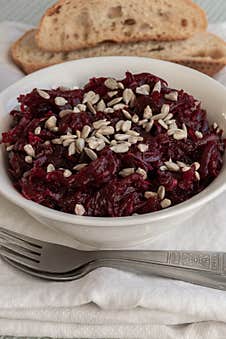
113,148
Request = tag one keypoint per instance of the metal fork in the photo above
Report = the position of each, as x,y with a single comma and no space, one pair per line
64,263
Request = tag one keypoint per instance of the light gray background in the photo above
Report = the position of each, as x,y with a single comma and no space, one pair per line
30,11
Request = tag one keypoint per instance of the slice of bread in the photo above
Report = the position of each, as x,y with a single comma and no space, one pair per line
74,24
204,52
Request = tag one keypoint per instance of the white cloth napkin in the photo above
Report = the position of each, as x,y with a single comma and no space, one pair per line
108,303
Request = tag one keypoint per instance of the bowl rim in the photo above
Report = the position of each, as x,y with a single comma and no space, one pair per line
185,207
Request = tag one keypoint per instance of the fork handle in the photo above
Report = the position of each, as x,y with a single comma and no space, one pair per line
214,262
192,276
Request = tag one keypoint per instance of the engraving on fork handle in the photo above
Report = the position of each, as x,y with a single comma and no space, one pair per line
212,262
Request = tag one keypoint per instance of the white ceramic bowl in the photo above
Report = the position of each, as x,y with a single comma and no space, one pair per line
123,231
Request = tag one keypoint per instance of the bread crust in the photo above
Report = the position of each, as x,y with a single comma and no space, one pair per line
44,45
205,65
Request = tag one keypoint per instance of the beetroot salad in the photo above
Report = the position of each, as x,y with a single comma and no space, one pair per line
113,148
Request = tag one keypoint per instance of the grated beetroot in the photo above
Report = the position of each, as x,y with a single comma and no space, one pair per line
98,186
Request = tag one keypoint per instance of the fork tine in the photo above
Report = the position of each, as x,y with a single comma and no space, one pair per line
19,251
25,245
20,260
29,240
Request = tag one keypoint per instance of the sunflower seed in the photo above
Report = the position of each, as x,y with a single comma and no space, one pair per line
197,175
173,96
143,147
66,137
126,126
215,125
162,123
102,137
81,107
47,142
120,148
165,109
120,85
157,87
79,167
150,194
114,101
100,146
91,154
67,142
119,106
80,144
142,172
91,97
133,133
165,203
91,108
126,114
9,148
112,94
50,168
127,95
171,122
172,166
185,168
135,118
76,110
143,121
60,101
133,140
55,129
184,128
198,134
143,90
179,134
163,168
79,209
37,131
51,122
161,192
118,125
56,141
171,131
111,83
65,112
147,112
85,131
181,164
106,130
149,125
101,105
163,114
28,159
29,150
71,149
94,142
168,118
121,137
126,172
43,94
100,123
113,142
140,138
197,165
109,110
67,173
